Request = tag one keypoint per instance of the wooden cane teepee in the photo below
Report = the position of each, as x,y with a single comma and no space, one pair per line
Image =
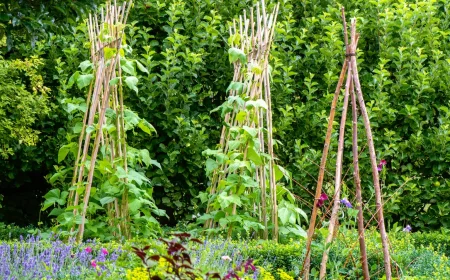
106,34
250,41
352,84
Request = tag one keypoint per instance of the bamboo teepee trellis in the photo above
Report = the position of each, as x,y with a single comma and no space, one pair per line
253,36
352,84
105,34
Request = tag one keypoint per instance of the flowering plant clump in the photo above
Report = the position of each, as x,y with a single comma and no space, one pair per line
175,264
36,258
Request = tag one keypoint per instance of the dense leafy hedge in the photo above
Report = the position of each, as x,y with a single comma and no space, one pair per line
403,54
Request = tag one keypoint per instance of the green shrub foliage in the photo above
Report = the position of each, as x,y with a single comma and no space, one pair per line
404,70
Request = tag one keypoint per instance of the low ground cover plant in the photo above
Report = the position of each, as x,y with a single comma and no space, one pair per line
34,257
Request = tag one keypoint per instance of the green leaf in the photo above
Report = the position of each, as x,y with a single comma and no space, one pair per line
250,130
156,163
110,52
235,54
106,200
211,165
84,80
90,129
226,200
134,205
114,81
284,215
146,127
237,86
72,79
85,65
63,151
260,103
128,67
254,156
131,82
145,157
141,67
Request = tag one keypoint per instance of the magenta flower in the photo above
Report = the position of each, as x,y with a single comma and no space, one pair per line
322,199
382,163
93,263
104,251
346,203
88,250
249,265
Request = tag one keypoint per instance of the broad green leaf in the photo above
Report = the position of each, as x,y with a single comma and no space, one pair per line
254,156
85,65
72,79
226,200
284,215
145,157
211,165
110,52
146,127
84,80
237,86
63,151
128,67
114,81
131,82
90,129
134,205
235,54
156,163
250,130
141,67
106,200
260,103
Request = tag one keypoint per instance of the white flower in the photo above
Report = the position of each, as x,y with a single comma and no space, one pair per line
226,258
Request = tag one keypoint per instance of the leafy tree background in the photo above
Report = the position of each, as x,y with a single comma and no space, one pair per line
405,66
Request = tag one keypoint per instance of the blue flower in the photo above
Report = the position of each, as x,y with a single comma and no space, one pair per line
408,228
346,203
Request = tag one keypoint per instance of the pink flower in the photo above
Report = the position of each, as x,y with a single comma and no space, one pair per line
93,263
104,251
88,250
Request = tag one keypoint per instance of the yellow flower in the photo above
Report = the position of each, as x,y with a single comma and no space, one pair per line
138,273
283,275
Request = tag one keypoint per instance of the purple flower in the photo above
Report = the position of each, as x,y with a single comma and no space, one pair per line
346,203
321,199
88,250
408,228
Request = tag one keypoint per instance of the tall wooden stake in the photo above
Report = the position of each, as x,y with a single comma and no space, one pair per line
373,160
351,84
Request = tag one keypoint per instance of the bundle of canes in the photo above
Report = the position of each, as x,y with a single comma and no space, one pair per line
105,34
252,37
352,84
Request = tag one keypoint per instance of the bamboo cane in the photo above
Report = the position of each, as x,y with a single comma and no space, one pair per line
357,182
337,187
373,160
